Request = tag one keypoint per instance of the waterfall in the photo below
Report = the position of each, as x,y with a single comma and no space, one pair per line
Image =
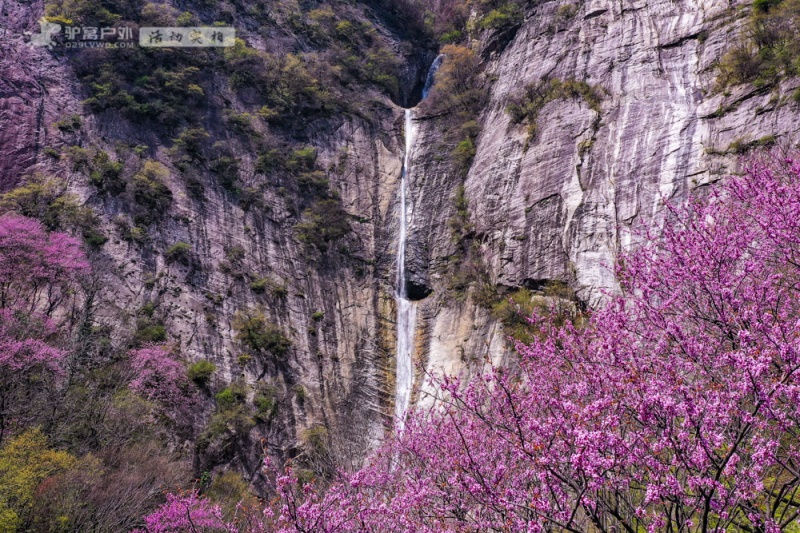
432,75
406,309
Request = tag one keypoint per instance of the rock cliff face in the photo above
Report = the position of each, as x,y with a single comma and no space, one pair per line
562,206
335,307
556,208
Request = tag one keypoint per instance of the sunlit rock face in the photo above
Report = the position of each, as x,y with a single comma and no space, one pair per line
562,205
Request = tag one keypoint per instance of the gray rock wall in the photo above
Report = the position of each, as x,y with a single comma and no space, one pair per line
564,208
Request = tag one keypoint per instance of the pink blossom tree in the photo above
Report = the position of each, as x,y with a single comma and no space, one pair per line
27,361
676,407
37,270
160,377
187,513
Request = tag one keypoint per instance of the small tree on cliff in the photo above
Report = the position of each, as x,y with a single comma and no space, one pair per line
27,362
158,376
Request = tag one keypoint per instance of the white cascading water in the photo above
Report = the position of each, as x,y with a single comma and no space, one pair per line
406,309
432,75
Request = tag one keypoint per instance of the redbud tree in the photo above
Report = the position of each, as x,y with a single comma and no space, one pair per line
158,376
38,273
38,270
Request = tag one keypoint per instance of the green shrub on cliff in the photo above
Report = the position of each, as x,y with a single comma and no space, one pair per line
149,192
254,331
524,107
769,51
501,18
325,221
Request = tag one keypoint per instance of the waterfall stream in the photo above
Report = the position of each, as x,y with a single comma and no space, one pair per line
406,309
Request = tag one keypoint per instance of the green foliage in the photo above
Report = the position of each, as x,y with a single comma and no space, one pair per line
148,331
270,161
102,13
300,393
302,159
232,493
241,123
110,489
149,191
231,396
51,152
142,87
452,36
254,331
458,93
201,371
180,252
466,269
262,285
228,424
148,309
567,11
94,237
764,6
512,310
233,418
188,147
463,154
769,51
505,16
555,299
233,263
460,226
458,88
137,234
47,200
325,221
25,461
525,107
106,174
69,124
315,439
289,86
226,168
317,316
265,402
